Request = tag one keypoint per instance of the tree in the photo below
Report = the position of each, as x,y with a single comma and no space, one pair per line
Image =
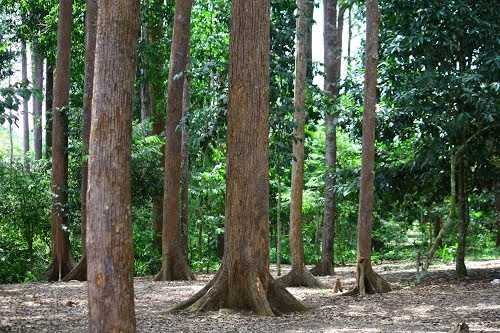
299,275
62,261
37,60
109,237
26,128
174,263
80,270
367,280
49,94
332,36
244,282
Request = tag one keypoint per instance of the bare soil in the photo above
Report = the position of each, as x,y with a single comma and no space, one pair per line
435,304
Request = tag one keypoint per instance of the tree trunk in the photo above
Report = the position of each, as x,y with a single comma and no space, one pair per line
62,262
185,168
367,280
37,60
299,275
174,263
80,270
145,95
333,27
278,229
463,219
243,282
109,224
497,206
26,126
49,94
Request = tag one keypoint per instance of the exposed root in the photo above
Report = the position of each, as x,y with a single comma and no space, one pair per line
56,273
368,281
251,296
301,278
79,272
323,268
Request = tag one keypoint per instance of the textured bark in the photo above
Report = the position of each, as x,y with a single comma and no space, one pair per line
497,206
185,169
243,282
367,280
299,275
26,126
278,229
49,94
174,263
145,96
333,25
37,70
463,219
80,270
109,224
62,262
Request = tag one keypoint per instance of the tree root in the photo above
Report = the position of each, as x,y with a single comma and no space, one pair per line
79,272
301,278
53,273
323,268
368,281
175,273
248,294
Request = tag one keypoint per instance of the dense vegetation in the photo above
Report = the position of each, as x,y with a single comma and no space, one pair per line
439,89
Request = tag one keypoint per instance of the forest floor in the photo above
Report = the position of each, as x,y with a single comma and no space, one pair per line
435,304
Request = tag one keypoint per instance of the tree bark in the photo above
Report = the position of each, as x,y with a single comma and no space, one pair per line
26,126
79,272
49,94
497,206
243,282
62,262
174,263
333,27
299,275
109,224
37,61
367,280
278,229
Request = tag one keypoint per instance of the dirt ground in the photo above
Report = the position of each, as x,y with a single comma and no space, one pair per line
434,305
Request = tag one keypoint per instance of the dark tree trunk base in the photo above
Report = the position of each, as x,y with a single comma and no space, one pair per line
368,281
303,278
250,296
175,274
52,273
323,268
79,272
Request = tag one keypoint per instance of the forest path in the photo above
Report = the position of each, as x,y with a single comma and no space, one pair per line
434,305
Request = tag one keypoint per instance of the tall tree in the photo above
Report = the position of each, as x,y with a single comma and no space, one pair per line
299,275
109,223
174,263
49,97
184,218
26,126
37,70
62,261
80,270
243,282
332,41
367,280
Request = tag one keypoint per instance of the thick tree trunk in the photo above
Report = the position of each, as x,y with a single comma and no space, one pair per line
80,270
37,61
243,282
49,94
367,280
333,26
62,262
299,275
185,169
109,224
174,263
463,220
26,125
278,229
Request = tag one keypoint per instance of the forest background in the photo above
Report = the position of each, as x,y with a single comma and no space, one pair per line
438,108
